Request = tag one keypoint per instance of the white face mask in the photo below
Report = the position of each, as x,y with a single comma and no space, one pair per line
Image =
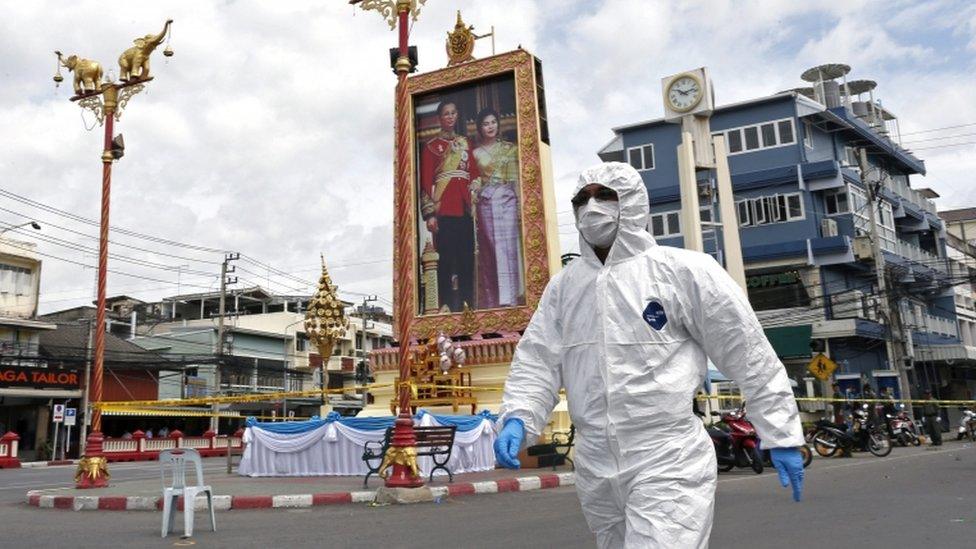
597,221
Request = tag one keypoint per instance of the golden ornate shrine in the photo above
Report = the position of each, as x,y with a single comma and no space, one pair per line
325,321
439,377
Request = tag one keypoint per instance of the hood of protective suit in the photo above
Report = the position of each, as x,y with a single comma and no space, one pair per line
632,236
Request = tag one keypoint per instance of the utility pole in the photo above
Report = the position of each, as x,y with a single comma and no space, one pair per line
219,345
362,368
892,316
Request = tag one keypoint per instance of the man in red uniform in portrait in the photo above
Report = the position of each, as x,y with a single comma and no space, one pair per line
447,167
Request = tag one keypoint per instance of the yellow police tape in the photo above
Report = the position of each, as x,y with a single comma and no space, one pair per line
250,397
202,412
416,387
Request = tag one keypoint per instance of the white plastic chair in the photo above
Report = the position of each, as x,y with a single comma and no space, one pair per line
175,460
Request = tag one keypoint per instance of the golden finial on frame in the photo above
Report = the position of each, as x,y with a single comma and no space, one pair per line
460,43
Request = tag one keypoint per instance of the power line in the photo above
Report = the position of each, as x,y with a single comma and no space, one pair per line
946,146
940,129
940,138
146,263
86,294
113,242
120,230
318,267
84,249
254,261
122,273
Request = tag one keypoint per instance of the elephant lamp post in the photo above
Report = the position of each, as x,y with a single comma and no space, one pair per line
106,100
134,62
404,441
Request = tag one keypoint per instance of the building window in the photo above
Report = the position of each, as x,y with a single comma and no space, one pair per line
752,138
779,208
885,217
785,128
666,224
642,157
835,202
15,280
758,208
657,225
735,142
674,223
301,342
850,157
768,135
807,134
744,213
794,206
775,133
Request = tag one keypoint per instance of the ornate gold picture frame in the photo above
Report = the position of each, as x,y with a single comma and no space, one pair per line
536,263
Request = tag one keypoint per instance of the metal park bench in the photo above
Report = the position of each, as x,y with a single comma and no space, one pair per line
556,452
434,442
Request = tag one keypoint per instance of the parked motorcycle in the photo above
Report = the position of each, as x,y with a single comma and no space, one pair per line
902,429
804,451
967,425
737,447
863,435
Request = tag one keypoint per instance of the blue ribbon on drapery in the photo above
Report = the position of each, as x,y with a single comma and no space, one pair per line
463,423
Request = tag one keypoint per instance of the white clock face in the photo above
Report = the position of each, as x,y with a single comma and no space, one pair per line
684,93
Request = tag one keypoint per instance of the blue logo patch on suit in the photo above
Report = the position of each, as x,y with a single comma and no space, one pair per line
654,315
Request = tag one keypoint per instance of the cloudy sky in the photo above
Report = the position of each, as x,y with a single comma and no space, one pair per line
270,131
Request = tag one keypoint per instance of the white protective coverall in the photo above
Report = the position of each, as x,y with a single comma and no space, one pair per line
645,466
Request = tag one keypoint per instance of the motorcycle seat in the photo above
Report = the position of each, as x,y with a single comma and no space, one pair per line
715,432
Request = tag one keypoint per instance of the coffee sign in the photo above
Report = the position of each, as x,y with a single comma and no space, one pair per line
39,378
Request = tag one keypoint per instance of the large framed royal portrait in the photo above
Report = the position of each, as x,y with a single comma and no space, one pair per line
482,225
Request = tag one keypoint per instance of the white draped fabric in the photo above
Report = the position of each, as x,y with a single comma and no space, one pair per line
336,449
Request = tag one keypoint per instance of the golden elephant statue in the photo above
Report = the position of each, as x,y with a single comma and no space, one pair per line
396,455
88,73
134,62
92,470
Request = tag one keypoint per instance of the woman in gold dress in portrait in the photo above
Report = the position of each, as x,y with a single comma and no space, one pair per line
496,197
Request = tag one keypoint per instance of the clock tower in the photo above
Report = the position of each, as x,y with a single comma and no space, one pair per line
689,99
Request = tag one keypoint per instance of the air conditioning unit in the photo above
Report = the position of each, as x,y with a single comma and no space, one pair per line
863,250
848,304
828,227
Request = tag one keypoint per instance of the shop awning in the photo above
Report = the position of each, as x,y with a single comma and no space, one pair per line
790,341
40,393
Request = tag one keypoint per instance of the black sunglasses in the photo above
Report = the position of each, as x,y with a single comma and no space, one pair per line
603,193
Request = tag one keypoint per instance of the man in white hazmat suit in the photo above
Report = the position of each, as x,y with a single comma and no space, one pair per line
627,329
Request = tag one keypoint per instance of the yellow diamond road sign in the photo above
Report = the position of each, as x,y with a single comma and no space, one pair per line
822,367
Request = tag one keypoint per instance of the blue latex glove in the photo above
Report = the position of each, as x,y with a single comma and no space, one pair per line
509,442
789,465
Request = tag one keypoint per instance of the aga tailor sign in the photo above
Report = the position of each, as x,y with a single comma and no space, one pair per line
41,378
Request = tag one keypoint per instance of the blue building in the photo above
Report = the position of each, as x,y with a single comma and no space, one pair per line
802,212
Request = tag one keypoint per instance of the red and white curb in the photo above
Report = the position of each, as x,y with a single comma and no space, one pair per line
54,463
291,501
